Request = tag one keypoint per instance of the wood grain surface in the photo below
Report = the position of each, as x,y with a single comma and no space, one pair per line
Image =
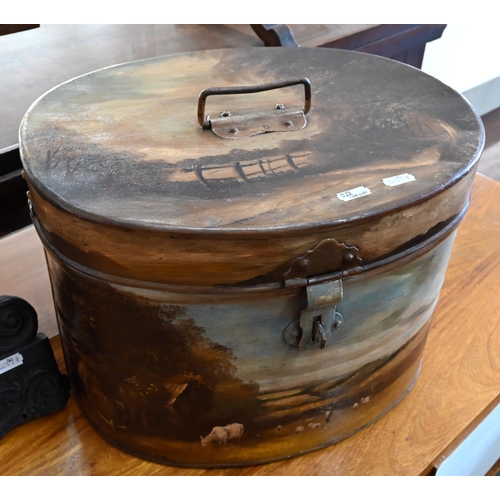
457,385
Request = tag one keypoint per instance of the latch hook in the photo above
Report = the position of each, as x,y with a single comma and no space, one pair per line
319,318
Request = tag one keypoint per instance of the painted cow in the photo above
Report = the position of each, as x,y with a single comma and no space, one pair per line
220,435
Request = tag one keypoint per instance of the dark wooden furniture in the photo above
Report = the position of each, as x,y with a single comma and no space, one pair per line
458,386
13,210
27,367
51,54
8,29
401,42
13,207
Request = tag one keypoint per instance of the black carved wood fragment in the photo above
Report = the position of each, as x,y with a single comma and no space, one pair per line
31,384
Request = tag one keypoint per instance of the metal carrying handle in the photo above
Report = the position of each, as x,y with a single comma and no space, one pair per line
251,89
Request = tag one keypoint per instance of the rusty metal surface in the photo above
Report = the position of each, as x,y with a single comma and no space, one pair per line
122,145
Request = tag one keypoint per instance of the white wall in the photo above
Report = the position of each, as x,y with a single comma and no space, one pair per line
466,58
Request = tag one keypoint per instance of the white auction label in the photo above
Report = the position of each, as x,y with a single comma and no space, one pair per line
398,179
7,364
353,193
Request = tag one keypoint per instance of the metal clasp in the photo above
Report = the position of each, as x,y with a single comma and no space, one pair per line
319,319
319,271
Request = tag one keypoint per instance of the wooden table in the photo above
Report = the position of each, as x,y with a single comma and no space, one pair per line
458,386
9,29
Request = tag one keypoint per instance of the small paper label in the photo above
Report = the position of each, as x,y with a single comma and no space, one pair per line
398,179
11,362
353,193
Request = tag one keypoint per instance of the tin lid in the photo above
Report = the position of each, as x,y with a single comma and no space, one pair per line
136,144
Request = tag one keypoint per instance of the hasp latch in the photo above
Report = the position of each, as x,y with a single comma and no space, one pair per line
320,271
319,319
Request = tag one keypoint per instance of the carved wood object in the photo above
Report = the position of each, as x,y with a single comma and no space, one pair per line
30,382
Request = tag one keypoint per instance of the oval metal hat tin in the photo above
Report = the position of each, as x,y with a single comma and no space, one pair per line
246,246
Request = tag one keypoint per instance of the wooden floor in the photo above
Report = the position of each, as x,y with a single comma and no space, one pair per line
489,164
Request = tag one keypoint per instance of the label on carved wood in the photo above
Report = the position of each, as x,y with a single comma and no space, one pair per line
353,193
398,179
11,362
